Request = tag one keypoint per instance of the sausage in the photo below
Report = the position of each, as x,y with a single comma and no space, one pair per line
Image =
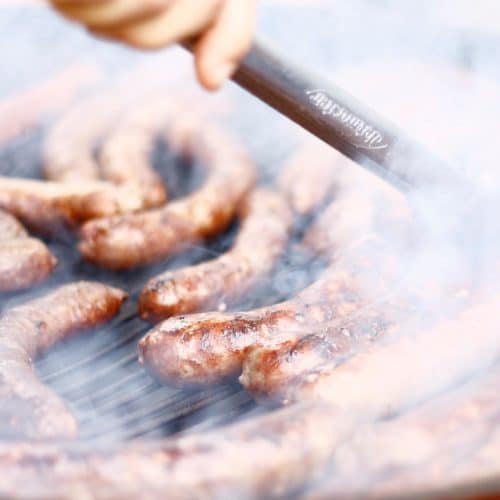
407,367
206,347
127,241
269,456
310,177
69,148
48,207
24,261
265,224
363,204
275,454
125,156
10,227
431,448
28,408
268,368
29,108
123,140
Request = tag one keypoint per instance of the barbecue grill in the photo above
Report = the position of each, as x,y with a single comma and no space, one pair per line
97,374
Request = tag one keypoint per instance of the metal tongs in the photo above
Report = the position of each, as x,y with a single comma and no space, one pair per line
343,122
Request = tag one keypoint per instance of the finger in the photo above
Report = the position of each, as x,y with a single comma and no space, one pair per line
184,19
114,13
82,3
225,44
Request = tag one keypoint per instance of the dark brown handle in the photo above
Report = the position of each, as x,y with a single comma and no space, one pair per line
339,119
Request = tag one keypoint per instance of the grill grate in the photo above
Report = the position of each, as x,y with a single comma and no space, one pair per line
97,374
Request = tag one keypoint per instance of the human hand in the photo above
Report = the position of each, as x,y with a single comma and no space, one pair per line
222,29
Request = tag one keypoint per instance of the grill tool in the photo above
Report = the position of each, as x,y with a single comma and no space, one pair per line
342,121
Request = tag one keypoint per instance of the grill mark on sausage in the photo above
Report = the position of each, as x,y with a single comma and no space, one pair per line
268,370
140,239
29,409
48,207
265,227
24,261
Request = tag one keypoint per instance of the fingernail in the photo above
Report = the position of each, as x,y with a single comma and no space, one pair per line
222,72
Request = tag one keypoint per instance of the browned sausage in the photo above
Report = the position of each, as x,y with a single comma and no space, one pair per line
310,177
126,155
354,212
10,227
204,347
268,370
125,138
412,367
269,456
28,408
275,454
24,261
69,149
430,448
363,204
133,240
29,108
46,207
265,226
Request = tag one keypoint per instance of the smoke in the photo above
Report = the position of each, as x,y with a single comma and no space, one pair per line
428,66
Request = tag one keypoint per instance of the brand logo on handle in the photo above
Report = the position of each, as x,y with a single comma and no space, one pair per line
369,137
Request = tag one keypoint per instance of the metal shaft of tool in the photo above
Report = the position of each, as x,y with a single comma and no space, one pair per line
342,121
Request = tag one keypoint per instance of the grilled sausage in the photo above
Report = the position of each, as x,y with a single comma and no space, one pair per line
310,177
407,367
29,108
69,149
28,408
125,148
125,156
205,347
10,227
47,207
268,456
363,204
24,261
265,226
275,454
133,240
418,450
268,368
